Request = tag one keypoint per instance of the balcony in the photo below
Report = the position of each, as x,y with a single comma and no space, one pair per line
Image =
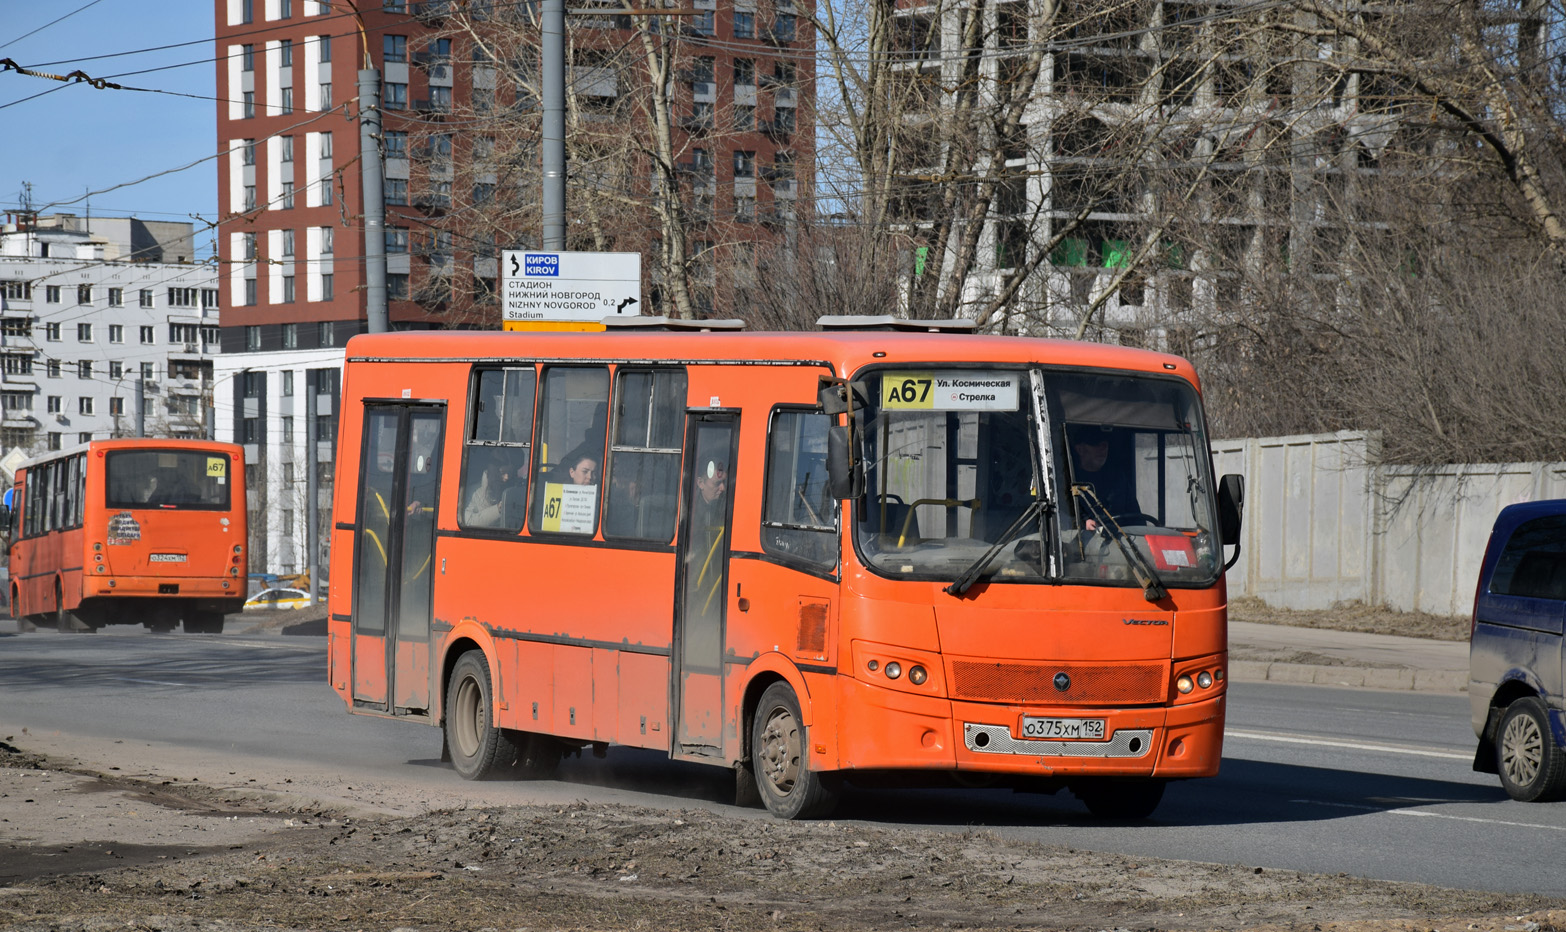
185,349
18,420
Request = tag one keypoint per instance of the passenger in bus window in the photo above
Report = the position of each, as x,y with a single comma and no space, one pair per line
484,508
581,469
711,483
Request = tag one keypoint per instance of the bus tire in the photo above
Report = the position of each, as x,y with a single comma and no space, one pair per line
471,734
1532,767
67,622
1120,799
537,756
778,749
203,623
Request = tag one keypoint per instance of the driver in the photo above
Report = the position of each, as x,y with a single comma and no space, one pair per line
1097,462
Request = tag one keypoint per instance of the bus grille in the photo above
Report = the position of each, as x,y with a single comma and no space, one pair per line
1090,683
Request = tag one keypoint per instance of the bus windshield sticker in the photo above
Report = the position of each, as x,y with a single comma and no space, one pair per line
123,530
217,467
949,390
570,509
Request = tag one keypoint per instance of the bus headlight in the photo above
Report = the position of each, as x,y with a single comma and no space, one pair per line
1204,679
917,675
1184,684
894,670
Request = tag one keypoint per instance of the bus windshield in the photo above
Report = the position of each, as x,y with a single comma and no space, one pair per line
1114,466
195,479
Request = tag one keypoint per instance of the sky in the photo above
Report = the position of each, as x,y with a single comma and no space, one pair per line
76,139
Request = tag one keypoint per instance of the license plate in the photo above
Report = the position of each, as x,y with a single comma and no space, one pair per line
166,558
1086,729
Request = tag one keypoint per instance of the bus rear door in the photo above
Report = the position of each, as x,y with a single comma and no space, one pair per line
702,588
399,485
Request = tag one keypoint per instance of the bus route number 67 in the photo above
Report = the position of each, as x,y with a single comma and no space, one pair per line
907,390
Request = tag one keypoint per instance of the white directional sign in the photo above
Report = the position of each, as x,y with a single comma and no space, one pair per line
570,286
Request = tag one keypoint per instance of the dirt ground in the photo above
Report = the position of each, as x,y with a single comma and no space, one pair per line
1355,616
83,850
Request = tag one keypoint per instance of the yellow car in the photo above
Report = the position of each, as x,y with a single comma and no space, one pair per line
277,599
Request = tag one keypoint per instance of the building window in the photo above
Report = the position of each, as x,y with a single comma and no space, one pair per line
324,95
116,406
84,369
290,335
396,96
83,294
783,27
248,105
53,366
286,9
397,286
84,404
54,435
288,243
394,6
253,337
394,48
288,383
22,363
209,299
116,369
328,237
84,437
148,335
247,57
396,240
56,404
116,333
397,191
744,119
744,164
288,431
148,372
285,49
286,148
396,144
116,297
744,209
52,332
287,105
250,292
182,297
84,333
326,287
250,197
704,22
744,25
288,289
16,291
326,333
744,72
52,294
16,327
288,195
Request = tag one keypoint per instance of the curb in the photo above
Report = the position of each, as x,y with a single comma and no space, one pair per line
1257,671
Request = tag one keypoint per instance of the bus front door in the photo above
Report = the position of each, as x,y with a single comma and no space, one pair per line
702,586
399,484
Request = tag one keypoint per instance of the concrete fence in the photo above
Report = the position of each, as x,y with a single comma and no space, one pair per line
1324,524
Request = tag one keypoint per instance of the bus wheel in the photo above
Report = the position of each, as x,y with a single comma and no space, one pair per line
778,743
537,756
1532,767
1120,799
204,623
471,734
64,621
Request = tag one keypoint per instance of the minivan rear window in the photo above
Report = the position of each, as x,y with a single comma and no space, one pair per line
1533,565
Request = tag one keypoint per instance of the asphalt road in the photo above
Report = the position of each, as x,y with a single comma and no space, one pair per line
1368,783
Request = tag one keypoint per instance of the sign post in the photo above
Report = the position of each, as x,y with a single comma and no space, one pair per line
543,290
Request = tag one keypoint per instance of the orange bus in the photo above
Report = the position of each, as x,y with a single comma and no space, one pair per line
139,531
862,554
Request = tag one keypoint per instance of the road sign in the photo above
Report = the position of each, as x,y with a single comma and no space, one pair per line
539,286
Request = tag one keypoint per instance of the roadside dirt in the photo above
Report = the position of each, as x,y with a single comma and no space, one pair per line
1356,616
86,850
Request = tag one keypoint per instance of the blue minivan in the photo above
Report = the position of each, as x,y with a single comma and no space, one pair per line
1515,683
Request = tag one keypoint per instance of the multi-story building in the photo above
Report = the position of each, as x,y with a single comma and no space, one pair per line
106,328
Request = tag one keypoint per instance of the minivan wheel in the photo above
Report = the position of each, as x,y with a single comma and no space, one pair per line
1532,766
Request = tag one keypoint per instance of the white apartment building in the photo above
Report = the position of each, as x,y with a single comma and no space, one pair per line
94,341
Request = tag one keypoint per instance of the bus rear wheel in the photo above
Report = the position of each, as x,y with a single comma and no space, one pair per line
204,623
67,622
1122,799
471,736
778,752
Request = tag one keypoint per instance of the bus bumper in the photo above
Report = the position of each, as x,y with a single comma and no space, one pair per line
884,729
140,587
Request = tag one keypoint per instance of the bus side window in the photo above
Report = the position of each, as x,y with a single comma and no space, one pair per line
798,517
644,459
499,448
569,457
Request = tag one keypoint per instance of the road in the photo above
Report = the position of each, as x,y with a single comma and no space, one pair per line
1372,784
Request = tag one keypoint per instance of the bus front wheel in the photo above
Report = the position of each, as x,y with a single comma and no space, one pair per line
471,735
1120,800
778,753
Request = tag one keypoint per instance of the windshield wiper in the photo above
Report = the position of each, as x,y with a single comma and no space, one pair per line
970,576
1152,587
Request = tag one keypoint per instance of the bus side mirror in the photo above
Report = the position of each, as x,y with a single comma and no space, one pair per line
1231,506
833,396
840,463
